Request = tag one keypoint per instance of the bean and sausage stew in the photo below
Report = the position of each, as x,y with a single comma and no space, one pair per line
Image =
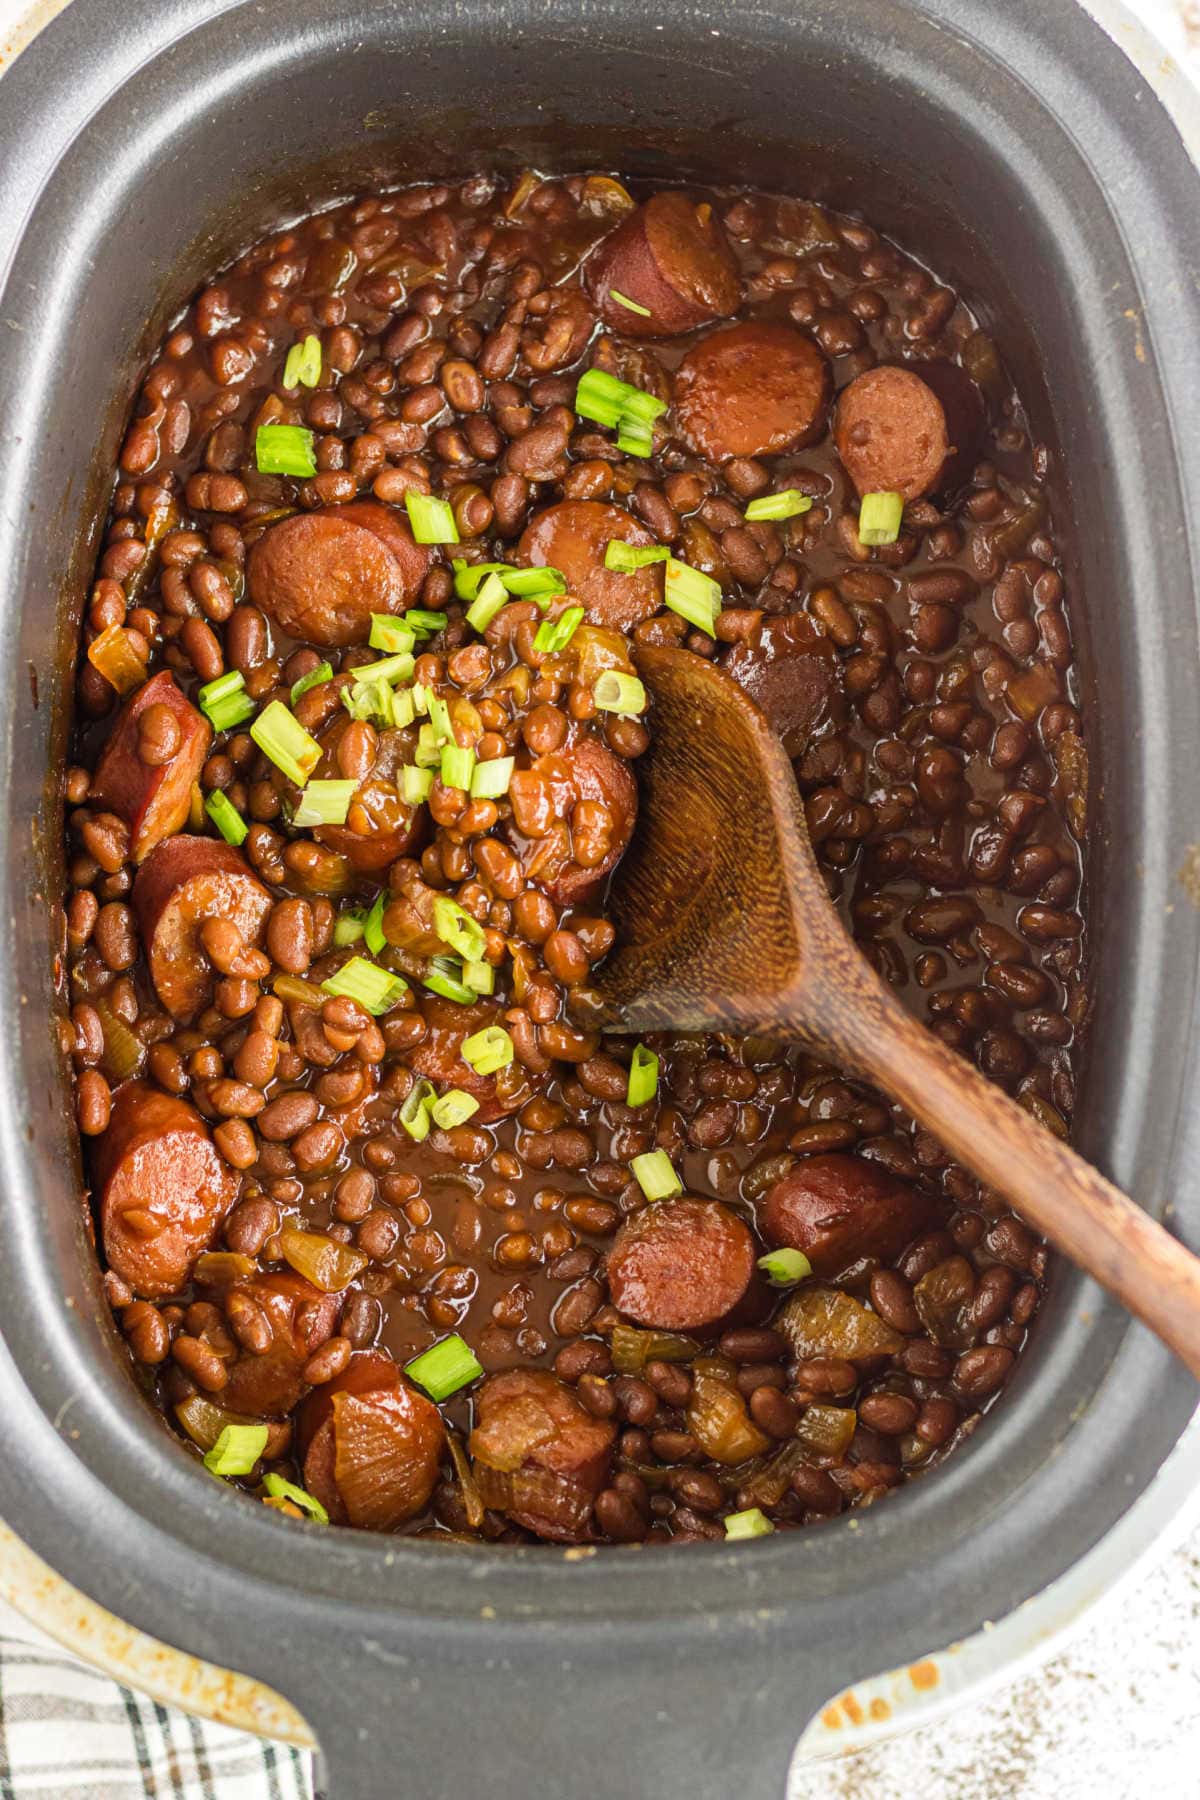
395,1237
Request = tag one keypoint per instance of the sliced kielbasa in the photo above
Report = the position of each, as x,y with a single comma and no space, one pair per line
573,812
671,258
370,1445
181,884
794,674
153,800
571,537
438,1058
752,390
840,1209
909,431
321,575
162,1188
682,1264
267,1383
539,1455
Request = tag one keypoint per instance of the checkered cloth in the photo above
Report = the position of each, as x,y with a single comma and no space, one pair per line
68,1732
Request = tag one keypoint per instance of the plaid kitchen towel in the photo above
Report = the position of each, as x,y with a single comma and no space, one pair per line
68,1732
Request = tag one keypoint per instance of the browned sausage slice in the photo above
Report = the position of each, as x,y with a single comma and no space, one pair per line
567,847
793,673
371,1445
298,1320
184,882
321,575
539,1455
752,390
672,258
572,537
154,801
162,1187
909,431
438,1057
681,1265
840,1209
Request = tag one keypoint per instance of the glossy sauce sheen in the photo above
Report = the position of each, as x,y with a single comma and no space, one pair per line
924,689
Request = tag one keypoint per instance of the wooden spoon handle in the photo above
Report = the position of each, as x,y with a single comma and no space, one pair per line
1057,1192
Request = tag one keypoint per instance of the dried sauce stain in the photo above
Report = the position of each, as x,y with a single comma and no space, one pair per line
1189,874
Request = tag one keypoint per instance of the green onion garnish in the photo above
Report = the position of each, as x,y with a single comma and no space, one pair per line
444,977
373,925
414,1113
348,927
490,779
454,1108
281,1489
784,1268
445,1368
491,599
628,557
655,1175
225,702
788,503
539,585
608,401
226,817
398,667
634,437
429,750
469,577
284,450
416,785
488,1050
324,803
403,710
420,697
624,300
375,988
618,693
696,597
390,633
236,1450
749,1524
323,672
879,518
439,717
425,624
556,634
457,767
643,1076
370,700
479,978
303,365
431,519
455,926
284,739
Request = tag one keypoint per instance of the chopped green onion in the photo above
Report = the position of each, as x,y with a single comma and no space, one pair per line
390,633
455,926
348,927
694,596
479,978
375,988
373,927
420,697
225,702
425,624
488,1050
403,710
414,1113
655,1175
643,1076
416,785
784,1268
608,401
445,1368
324,803
469,577
439,717
226,817
398,667
237,1449
634,437
556,634
431,519
285,450
454,1108
490,779
539,585
323,672
491,599
624,300
371,700
284,739
788,503
749,1524
281,1489
618,693
879,518
443,977
429,751
458,766
628,557
303,365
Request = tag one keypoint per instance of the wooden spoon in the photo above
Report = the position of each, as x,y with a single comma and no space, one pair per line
725,924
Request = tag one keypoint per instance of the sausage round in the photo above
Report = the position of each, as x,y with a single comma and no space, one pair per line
380,827
672,258
547,1448
371,1445
154,801
909,431
181,884
438,1058
840,1209
571,537
321,575
682,1264
584,771
752,390
163,1190
301,1318
793,673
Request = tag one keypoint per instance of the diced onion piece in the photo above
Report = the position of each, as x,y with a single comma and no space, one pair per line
204,1420
119,658
536,1492
328,1264
879,518
633,1348
827,1430
718,1420
431,519
444,1367
655,1175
